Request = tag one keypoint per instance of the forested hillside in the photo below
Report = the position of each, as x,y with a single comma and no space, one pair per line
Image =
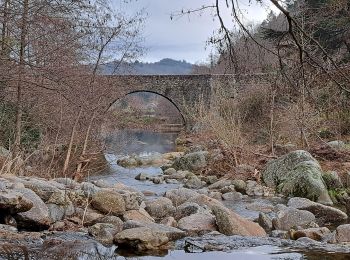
162,67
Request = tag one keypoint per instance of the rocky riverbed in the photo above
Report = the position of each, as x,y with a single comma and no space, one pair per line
174,210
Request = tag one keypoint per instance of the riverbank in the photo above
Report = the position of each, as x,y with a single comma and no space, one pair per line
196,211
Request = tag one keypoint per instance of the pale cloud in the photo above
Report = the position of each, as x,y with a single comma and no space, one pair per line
185,38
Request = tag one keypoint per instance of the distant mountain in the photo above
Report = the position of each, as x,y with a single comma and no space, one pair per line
163,67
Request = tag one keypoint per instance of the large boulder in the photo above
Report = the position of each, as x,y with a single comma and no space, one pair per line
141,239
160,208
332,180
43,188
180,196
198,223
229,223
60,206
89,189
232,196
265,221
128,162
186,209
194,183
323,213
131,199
108,202
88,216
179,175
342,234
239,185
38,217
317,234
12,202
206,201
191,161
140,215
292,218
148,237
254,189
220,184
104,232
297,174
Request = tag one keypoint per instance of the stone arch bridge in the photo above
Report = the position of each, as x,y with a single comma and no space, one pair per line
184,91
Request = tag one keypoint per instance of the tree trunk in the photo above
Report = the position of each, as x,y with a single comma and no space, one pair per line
86,140
24,29
69,150
272,118
4,30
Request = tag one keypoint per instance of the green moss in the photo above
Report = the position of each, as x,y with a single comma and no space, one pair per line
339,196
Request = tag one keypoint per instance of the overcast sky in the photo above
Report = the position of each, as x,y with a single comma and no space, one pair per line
184,38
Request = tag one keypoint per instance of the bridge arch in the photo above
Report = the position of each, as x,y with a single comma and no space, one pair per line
181,113
164,96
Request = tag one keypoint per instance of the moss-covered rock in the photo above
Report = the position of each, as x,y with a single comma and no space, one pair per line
332,180
191,161
297,174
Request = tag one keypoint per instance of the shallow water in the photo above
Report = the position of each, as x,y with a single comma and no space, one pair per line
165,143
129,141
117,174
255,253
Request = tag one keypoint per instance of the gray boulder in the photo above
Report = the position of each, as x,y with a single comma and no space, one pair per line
232,196
160,208
194,183
265,222
12,202
198,223
104,232
180,196
297,174
187,209
220,184
142,176
89,189
108,202
323,213
140,215
38,217
254,189
170,171
42,188
148,237
7,228
60,206
332,180
230,223
128,162
240,186
131,199
88,215
191,161
342,234
292,218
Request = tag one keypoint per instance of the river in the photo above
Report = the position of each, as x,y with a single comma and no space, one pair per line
146,143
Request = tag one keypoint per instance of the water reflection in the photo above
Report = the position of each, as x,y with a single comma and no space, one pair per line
129,141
